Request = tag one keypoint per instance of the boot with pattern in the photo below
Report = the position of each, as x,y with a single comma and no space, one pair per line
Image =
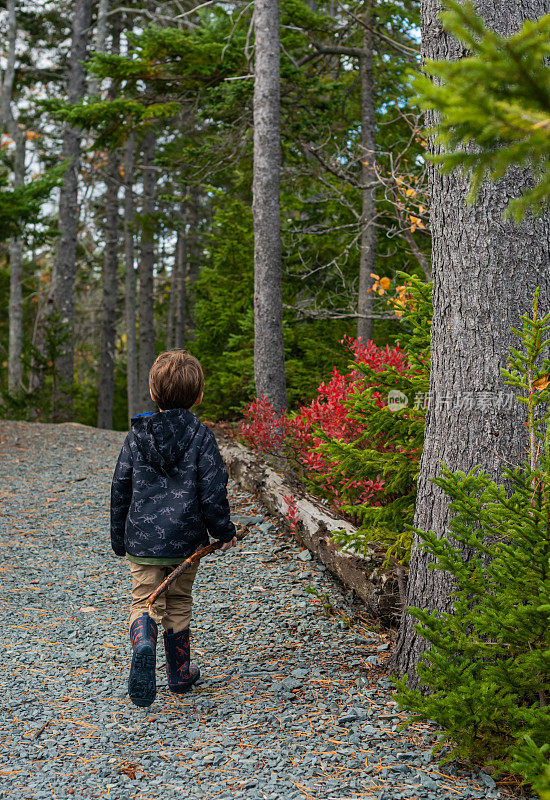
142,686
181,673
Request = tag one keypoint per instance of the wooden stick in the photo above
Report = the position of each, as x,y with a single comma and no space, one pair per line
188,563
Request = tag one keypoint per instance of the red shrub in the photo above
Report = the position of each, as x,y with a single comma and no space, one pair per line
265,430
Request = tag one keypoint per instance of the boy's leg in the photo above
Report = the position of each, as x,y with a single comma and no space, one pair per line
145,579
181,673
179,601
143,633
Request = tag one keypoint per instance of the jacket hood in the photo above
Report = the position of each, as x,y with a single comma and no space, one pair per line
162,437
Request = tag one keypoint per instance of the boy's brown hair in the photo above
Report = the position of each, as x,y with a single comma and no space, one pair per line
176,379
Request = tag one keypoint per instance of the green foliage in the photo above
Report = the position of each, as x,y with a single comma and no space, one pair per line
22,204
392,441
488,667
224,338
41,403
494,104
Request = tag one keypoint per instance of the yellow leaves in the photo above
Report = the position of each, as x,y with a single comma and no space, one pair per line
416,222
400,302
32,135
380,285
402,299
541,383
410,192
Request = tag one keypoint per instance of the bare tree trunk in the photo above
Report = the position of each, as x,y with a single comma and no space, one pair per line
15,371
100,38
269,364
485,274
172,304
130,281
367,263
62,290
193,258
106,376
180,286
146,273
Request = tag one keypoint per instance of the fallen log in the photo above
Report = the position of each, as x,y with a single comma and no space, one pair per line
380,588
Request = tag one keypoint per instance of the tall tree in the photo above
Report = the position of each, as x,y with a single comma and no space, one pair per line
180,267
106,378
107,344
367,261
62,290
269,364
18,136
485,273
146,270
130,280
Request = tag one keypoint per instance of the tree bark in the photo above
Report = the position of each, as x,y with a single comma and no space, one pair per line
106,375
62,290
100,39
485,273
130,281
180,266
269,365
146,273
193,257
172,304
367,263
15,370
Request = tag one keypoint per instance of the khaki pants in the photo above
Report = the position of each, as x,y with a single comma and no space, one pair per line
173,608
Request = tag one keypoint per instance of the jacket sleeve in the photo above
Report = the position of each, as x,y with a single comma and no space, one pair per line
121,495
212,490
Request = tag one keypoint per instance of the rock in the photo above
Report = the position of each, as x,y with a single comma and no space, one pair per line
487,780
300,673
305,555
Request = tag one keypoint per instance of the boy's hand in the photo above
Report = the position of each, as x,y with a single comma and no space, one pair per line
228,545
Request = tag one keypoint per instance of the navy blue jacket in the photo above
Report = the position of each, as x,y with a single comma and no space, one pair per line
169,488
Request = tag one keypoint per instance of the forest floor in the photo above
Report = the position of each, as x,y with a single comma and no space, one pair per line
293,702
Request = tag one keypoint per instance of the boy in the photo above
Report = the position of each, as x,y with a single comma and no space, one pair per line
169,491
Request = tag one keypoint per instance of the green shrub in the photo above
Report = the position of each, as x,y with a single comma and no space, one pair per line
487,670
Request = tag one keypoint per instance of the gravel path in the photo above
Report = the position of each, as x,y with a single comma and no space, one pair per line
293,703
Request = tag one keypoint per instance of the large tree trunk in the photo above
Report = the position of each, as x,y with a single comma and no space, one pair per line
193,216
180,266
485,273
367,263
146,274
15,371
130,281
106,375
62,290
269,365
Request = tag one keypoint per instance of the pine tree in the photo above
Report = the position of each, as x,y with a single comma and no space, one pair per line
487,671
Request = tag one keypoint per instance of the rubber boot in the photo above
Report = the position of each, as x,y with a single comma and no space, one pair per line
142,686
181,673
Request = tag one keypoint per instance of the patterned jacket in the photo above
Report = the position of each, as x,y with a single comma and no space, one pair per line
169,488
